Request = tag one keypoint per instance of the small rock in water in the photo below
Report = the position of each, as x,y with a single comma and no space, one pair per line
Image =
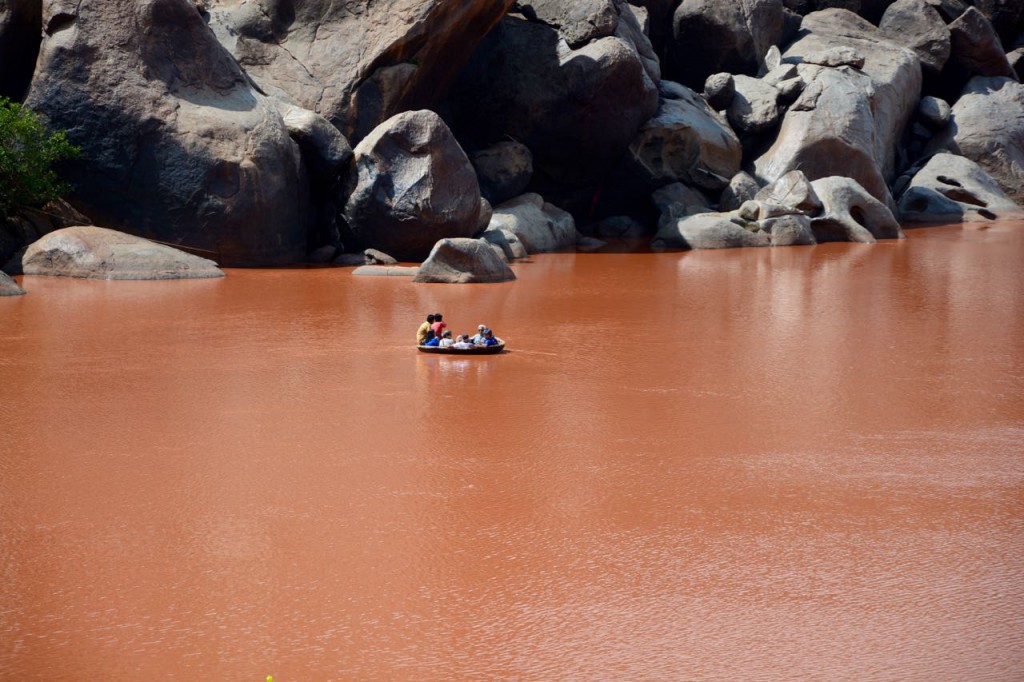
8,287
375,257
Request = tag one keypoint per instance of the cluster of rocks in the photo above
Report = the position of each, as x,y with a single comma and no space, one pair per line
468,135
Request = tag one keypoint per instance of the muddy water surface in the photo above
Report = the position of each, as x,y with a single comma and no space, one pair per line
758,464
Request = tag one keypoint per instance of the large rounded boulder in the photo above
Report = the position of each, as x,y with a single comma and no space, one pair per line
8,287
176,143
94,252
355,63
711,36
950,188
987,126
464,261
414,185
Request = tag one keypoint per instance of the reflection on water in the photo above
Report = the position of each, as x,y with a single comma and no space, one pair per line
750,464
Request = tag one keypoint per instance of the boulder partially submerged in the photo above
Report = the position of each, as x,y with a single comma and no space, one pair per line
851,213
8,287
414,186
538,225
987,126
99,253
464,261
951,188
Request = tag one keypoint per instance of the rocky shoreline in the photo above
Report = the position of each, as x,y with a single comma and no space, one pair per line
469,134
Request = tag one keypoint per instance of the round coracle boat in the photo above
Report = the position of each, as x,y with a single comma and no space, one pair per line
475,350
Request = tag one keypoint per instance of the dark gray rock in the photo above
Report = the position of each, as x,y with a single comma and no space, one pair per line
98,253
1006,16
323,254
712,36
619,227
20,28
743,187
415,186
754,108
950,188
918,25
504,170
709,231
934,113
577,110
976,50
851,213
539,226
987,126
793,190
686,200
8,287
464,261
719,89
318,138
350,259
176,143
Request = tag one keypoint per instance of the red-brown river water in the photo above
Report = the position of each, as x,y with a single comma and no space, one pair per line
761,464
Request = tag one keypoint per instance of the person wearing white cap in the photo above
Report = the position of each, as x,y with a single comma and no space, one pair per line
478,340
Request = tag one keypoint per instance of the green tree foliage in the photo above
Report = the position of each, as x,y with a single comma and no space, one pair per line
28,152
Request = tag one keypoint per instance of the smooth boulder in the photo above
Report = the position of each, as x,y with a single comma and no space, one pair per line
709,231
950,188
414,185
987,127
919,26
793,190
504,170
789,230
686,141
464,261
754,108
94,252
537,225
851,213
176,143
742,187
8,287
719,89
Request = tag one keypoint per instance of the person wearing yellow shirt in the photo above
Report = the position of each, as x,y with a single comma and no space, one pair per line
425,331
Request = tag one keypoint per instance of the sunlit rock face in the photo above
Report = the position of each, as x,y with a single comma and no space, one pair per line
177,145
355,63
